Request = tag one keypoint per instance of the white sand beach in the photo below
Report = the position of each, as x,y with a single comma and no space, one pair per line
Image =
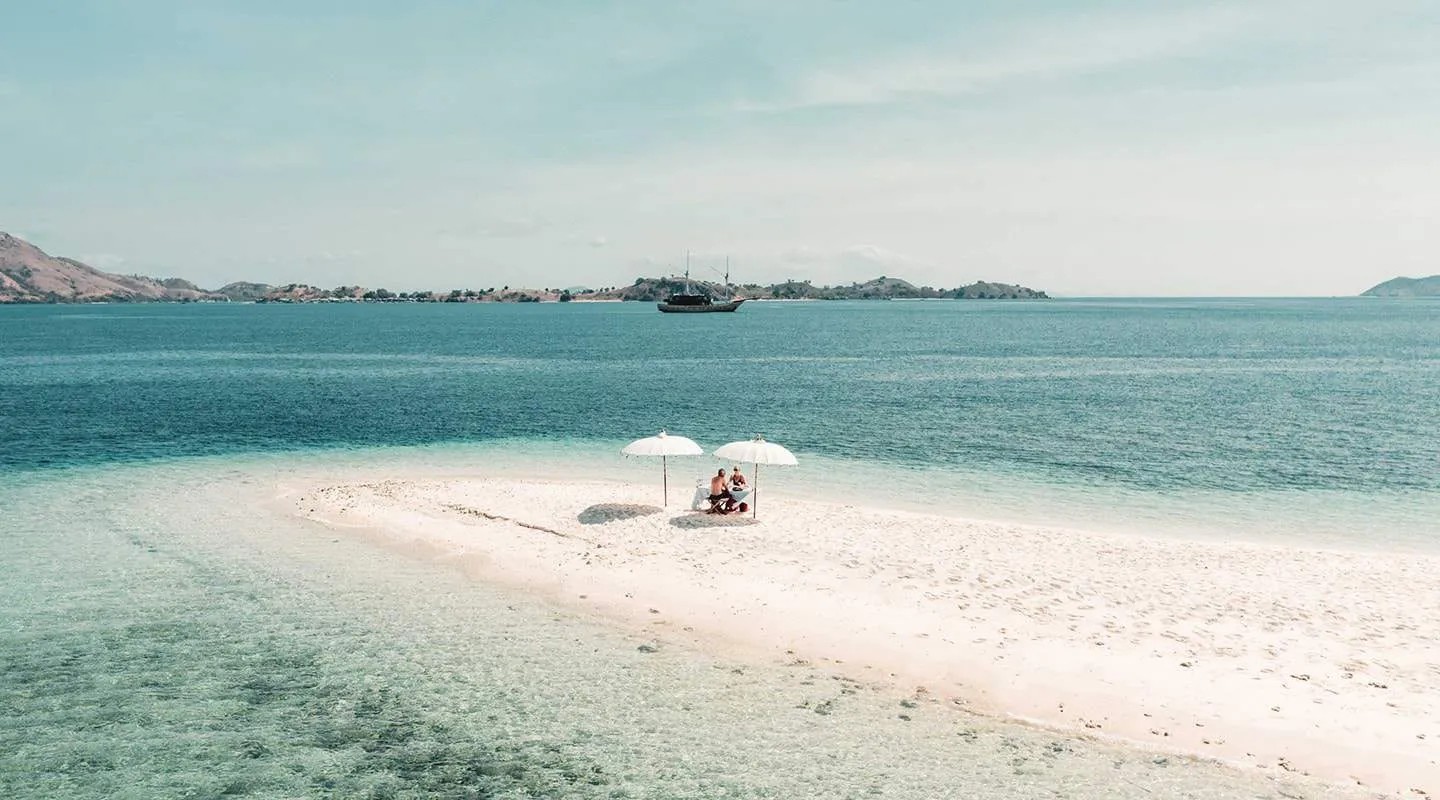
1273,658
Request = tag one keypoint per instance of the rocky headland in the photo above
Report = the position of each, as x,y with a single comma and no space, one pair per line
30,275
1406,287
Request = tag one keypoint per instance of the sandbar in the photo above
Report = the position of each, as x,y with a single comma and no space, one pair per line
1313,661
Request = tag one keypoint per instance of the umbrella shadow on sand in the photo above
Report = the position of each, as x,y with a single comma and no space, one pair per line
615,512
699,521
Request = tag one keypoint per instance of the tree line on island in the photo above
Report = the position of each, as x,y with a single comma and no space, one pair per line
29,275
643,289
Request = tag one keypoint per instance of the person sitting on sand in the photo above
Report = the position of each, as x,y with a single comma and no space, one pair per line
719,492
737,480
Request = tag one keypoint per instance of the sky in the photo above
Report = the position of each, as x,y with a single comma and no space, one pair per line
1111,148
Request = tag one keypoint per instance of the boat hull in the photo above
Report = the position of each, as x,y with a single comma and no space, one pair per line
709,308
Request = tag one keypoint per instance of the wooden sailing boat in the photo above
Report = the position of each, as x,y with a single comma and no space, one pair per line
693,302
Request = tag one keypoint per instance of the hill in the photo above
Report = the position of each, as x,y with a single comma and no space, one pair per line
985,290
886,288
1406,287
30,275
881,288
245,290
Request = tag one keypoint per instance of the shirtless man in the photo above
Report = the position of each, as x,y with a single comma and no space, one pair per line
719,491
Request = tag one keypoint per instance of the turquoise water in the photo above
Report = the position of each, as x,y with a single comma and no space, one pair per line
165,633
1289,419
162,635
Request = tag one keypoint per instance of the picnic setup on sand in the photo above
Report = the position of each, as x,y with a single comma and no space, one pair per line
722,493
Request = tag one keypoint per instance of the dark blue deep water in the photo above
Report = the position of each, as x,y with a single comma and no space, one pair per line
1227,397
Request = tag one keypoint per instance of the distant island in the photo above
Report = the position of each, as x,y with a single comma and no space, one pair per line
1406,287
29,275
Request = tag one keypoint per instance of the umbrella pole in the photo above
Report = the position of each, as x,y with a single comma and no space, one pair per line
664,483
755,500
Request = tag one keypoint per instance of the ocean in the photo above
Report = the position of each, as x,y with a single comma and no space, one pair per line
165,632
1303,420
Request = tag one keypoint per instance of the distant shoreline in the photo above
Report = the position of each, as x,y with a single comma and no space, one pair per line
30,275
6,302
443,301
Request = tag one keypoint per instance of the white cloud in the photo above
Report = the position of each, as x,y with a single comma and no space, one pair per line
102,261
1076,43
326,257
1214,215
801,254
513,227
859,262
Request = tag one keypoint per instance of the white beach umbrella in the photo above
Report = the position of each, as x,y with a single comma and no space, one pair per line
664,446
757,451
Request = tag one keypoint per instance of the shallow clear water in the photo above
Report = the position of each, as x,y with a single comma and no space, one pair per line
154,644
